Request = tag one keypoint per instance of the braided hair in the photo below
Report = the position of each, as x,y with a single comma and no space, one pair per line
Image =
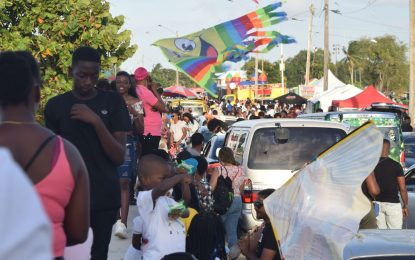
206,237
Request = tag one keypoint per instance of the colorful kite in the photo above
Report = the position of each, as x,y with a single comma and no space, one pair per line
200,55
318,211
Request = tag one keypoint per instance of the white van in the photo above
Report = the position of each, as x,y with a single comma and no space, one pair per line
270,150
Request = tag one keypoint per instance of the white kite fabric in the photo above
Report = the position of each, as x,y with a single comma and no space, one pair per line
318,211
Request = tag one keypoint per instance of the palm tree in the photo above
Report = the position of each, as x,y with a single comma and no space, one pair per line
350,61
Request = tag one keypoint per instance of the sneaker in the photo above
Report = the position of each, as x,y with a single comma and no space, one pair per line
120,230
234,252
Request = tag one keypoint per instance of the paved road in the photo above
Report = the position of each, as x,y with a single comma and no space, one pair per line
118,247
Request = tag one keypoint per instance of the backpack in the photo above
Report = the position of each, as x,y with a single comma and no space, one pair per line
223,194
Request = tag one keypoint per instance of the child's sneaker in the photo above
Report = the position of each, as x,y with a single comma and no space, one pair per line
120,230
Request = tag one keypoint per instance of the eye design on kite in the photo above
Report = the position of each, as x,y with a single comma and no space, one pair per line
185,44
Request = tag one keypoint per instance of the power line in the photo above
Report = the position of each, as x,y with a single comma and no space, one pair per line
368,4
372,22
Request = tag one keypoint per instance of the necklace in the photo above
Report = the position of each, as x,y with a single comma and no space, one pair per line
17,123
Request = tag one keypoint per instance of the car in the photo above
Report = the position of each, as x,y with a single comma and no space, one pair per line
270,150
381,244
211,148
409,148
410,186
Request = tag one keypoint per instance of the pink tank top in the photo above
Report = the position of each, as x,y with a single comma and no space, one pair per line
55,191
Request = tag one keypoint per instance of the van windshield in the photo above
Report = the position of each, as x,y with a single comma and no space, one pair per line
303,145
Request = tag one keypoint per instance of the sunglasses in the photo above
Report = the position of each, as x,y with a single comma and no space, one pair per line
258,204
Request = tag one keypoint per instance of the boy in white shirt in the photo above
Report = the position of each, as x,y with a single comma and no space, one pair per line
162,227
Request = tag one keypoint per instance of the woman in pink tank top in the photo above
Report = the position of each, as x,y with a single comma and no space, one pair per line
53,164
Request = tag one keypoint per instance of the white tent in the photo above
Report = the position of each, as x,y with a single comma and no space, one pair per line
337,93
333,83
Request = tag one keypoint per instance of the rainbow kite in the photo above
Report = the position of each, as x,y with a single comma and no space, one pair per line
200,55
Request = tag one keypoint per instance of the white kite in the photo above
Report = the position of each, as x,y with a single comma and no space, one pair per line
318,211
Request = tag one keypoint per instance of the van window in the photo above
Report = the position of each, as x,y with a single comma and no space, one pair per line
303,145
236,141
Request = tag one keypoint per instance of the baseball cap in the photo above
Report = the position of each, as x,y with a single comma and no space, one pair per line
140,73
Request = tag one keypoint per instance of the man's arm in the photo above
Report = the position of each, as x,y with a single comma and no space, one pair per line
404,195
372,185
159,106
113,144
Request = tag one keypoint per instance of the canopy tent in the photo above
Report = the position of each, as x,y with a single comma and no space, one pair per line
291,98
333,83
178,91
342,92
363,99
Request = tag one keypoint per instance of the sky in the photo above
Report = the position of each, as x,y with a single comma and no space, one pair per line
151,20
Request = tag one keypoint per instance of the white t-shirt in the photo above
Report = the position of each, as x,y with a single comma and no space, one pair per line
165,236
177,130
271,112
192,128
25,229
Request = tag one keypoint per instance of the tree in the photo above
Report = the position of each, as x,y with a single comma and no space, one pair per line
270,69
167,77
381,61
52,29
295,67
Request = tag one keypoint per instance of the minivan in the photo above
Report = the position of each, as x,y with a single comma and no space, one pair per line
271,150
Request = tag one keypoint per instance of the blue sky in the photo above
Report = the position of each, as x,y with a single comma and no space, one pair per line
359,18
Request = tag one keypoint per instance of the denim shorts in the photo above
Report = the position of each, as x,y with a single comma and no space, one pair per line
127,169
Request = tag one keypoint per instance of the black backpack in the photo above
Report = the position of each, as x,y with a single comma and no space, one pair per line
223,194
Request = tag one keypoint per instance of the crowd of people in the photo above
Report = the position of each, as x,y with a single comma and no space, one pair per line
101,148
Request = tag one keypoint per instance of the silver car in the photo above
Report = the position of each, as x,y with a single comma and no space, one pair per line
382,244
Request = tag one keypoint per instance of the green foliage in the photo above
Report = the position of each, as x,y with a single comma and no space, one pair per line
167,77
53,29
381,61
295,67
271,70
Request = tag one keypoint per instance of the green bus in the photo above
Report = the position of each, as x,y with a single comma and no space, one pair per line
388,123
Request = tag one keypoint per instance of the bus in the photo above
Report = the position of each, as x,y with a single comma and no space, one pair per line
387,122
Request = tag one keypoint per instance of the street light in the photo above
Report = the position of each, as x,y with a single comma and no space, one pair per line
177,35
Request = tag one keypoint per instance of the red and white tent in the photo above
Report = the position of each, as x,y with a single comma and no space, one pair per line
364,99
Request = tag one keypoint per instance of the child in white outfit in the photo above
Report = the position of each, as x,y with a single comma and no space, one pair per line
163,230
134,250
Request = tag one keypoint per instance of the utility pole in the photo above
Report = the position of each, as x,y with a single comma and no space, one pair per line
412,61
282,68
256,67
310,28
326,44
336,50
256,76
177,70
